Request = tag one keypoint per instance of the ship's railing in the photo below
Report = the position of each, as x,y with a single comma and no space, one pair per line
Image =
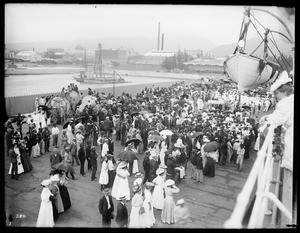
260,177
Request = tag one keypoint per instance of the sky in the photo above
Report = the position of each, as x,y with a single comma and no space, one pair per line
43,22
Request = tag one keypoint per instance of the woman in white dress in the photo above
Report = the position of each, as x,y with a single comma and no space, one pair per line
69,133
121,184
167,214
162,153
136,218
158,192
45,217
148,205
42,118
103,178
104,148
20,166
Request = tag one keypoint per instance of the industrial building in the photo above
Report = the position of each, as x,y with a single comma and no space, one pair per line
201,65
30,56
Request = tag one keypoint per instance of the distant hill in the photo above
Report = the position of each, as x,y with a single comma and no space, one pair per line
251,45
140,44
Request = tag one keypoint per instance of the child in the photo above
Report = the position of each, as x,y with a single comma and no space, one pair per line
240,156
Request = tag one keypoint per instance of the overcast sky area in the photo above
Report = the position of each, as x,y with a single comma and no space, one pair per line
41,22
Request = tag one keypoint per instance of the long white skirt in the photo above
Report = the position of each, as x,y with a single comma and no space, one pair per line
158,197
135,167
20,167
35,151
136,220
256,146
103,179
181,171
45,217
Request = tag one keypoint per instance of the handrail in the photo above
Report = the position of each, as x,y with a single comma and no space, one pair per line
261,173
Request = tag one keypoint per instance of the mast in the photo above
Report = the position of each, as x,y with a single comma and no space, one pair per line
98,62
85,65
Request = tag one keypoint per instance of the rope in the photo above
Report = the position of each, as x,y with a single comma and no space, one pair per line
274,43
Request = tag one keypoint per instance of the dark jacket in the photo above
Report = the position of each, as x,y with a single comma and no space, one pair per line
171,164
107,125
73,149
46,134
39,136
103,205
146,163
88,152
122,215
198,162
93,157
12,155
81,154
193,157
55,159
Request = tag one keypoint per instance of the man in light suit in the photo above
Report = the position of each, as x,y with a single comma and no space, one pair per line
122,213
106,208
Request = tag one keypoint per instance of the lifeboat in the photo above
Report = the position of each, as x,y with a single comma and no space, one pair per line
249,71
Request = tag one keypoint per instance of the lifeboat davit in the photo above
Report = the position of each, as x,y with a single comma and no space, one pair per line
247,69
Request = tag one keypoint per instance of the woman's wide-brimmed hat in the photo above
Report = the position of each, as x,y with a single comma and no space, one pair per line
149,184
159,171
169,182
46,182
122,164
136,188
138,174
54,177
123,198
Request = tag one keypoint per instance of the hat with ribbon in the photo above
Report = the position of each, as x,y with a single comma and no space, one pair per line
46,182
169,182
122,164
149,184
138,174
106,191
54,177
136,188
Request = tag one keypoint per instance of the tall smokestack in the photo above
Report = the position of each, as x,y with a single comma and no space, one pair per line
158,38
162,41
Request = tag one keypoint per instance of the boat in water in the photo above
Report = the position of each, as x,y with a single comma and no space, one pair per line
88,77
98,76
248,70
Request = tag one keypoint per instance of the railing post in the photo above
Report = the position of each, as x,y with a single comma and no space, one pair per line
277,185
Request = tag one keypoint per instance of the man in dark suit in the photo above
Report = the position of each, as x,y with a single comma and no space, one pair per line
122,213
81,156
146,166
106,208
93,160
153,164
55,157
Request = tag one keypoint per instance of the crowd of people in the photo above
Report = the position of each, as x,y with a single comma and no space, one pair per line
172,126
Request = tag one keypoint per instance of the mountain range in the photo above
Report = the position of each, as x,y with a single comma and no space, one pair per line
142,44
